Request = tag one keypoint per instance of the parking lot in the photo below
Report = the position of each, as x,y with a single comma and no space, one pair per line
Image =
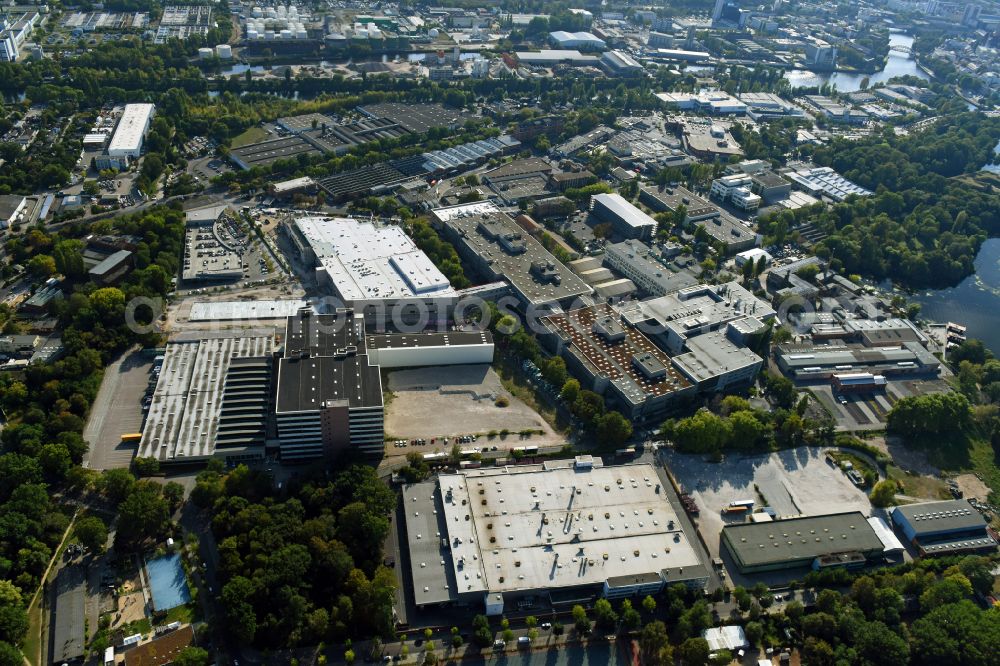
431,403
793,482
117,411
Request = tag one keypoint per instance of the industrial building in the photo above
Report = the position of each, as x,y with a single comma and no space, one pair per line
706,329
645,266
584,41
552,57
329,388
711,102
557,534
723,228
376,270
824,181
619,63
835,111
943,528
131,131
329,396
238,395
693,311
492,242
736,189
112,268
626,220
820,542
768,106
211,398
613,359
811,362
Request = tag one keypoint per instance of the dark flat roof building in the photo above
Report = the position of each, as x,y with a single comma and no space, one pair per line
943,528
835,539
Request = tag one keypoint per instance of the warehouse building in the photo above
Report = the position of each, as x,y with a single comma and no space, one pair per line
706,329
376,270
626,220
824,181
820,542
619,63
616,360
329,388
943,528
211,398
131,130
238,395
584,41
645,267
820,362
492,242
677,317
562,533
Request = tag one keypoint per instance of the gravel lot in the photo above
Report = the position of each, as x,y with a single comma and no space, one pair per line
796,481
455,400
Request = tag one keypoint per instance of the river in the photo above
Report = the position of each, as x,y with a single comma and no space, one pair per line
897,64
975,302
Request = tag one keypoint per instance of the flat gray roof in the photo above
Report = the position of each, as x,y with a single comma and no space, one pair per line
427,538
484,230
520,530
184,413
936,517
793,539
713,354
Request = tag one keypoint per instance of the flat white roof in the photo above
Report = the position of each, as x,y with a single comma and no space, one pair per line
366,262
886,535
131,128
511,529
235,310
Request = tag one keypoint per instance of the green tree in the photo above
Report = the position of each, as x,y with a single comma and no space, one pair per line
694,652
884,493
630,617
192,656
649,604
570,391
144,514
10,655
13,616
655,645
482,634
605,615
92,533
614,429
581,620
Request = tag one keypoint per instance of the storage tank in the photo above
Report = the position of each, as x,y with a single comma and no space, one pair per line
205,53
270,13
269,34
256,12
432,33
224,51
285,34
253,34
282,11
301,33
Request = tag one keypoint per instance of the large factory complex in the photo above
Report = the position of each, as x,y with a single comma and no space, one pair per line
310,390
564,532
